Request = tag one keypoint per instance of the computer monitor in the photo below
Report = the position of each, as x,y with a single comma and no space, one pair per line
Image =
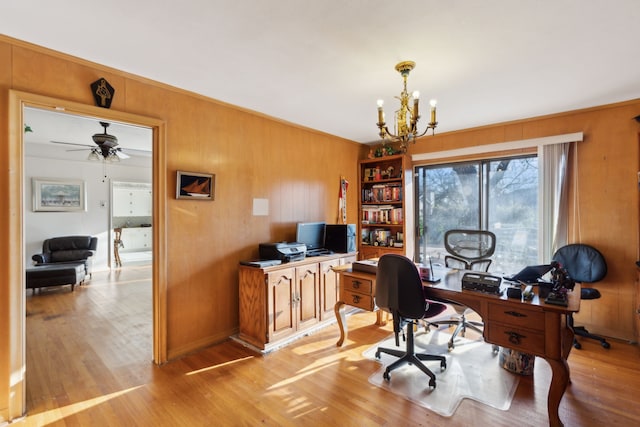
311,234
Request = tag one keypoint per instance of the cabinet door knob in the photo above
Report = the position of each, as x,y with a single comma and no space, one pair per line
355,284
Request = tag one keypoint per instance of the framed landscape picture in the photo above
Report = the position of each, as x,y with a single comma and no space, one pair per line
193,185
58,195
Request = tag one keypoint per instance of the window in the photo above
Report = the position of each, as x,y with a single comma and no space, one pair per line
500,195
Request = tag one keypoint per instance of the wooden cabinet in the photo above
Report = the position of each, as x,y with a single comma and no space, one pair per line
386,207
281,302
358,290
519,328
330,285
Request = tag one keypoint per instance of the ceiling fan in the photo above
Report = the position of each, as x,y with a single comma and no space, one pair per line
106,146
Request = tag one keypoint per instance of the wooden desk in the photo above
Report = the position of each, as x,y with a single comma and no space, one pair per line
531,327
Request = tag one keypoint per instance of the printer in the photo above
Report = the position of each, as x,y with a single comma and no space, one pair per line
283,251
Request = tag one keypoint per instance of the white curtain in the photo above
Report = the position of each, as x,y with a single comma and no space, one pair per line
553,203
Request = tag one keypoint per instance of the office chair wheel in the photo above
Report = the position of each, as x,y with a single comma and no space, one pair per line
443,365
432,383
577,345
605,344
386,376
378,354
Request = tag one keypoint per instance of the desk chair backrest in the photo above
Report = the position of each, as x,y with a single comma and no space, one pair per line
584,263
399,287
469,249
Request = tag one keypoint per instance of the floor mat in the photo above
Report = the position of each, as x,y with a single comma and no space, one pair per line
473,372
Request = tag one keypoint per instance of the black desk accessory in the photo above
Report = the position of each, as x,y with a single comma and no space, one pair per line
514,292
562,284
482,283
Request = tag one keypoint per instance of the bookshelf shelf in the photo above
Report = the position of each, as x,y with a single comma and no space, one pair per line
385,199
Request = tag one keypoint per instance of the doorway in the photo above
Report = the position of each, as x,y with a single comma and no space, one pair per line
18,101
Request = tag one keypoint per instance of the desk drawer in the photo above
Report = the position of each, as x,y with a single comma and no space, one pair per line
520,339
517,317
356,284
358,299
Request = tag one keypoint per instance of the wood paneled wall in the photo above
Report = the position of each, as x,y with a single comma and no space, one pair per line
252,155
603,200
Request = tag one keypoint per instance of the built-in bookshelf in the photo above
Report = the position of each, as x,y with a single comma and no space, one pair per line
385,197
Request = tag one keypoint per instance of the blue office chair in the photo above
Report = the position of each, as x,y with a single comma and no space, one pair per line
399,291
585,264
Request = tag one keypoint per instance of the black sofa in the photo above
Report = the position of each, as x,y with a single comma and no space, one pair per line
67,250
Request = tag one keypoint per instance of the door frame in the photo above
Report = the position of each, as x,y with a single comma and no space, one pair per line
15,225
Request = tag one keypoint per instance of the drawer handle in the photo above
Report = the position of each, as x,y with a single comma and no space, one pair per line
355,284
514,337
515,314
356,298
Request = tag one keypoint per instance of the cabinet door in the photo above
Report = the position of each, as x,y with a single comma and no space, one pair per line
136,239
143,202
132,202
281,316
329,288
122,202
308,294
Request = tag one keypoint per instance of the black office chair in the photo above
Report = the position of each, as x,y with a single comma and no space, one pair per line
585,264
399,291
467,250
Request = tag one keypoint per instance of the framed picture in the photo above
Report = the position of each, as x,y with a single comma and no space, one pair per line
193,185
58,195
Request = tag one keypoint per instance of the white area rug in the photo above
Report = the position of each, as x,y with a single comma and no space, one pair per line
473,372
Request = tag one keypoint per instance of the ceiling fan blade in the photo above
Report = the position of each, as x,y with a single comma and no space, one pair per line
79,149
122,155
72,143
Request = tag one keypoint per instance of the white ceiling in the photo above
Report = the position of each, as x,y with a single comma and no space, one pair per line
56,134
323,64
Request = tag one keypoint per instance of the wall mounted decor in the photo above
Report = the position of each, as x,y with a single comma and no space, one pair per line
56,195
193,185
103,92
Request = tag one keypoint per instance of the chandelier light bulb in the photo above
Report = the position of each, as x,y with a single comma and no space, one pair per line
380,111
433,103
416,94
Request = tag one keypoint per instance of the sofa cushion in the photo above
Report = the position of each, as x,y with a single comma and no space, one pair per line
69,255
68,243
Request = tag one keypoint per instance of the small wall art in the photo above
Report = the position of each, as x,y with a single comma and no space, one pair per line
58,195
194,185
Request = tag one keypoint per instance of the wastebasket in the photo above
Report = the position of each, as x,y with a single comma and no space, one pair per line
517,361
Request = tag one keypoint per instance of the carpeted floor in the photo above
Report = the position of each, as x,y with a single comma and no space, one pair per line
473,372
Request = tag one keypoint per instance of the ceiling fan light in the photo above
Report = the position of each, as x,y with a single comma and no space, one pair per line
93,156
113,157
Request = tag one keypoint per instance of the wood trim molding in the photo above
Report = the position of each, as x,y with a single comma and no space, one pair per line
501,146
15,274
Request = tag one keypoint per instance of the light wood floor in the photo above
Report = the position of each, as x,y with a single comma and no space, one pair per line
89,364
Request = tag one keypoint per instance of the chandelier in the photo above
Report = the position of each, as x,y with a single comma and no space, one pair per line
406,119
